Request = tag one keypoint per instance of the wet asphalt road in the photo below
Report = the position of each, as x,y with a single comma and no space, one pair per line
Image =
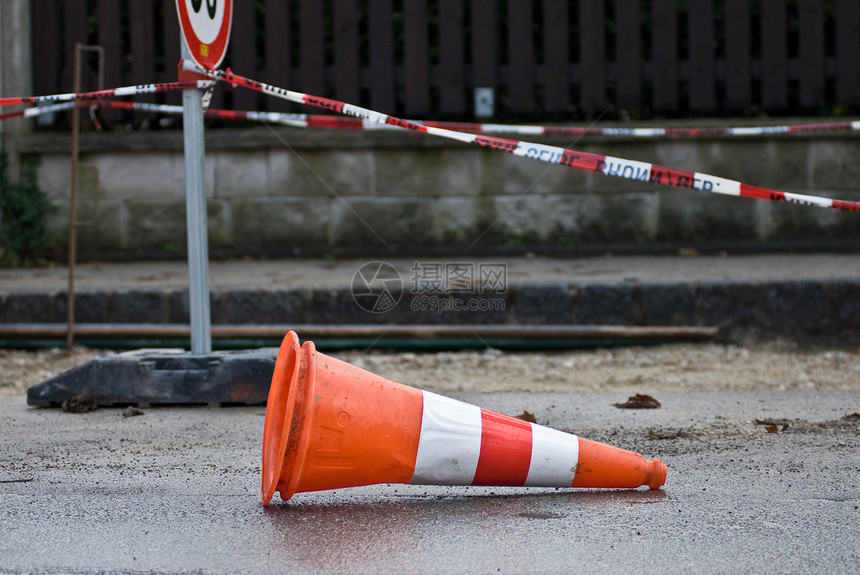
176,490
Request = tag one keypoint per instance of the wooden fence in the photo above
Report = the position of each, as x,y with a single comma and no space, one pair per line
544,59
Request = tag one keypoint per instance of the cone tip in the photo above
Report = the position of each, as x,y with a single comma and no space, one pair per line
656,474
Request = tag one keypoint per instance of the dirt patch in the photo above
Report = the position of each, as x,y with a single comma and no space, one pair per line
83,402
848,423
639,401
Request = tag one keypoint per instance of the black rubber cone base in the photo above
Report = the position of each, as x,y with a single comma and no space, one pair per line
152,377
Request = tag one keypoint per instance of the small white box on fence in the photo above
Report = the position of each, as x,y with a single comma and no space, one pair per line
484,103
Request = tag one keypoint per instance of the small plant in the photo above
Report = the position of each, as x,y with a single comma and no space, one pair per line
514,241
24,237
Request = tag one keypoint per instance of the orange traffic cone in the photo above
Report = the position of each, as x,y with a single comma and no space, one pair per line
330,424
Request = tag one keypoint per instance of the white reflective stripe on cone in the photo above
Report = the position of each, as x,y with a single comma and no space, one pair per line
450,442
554,458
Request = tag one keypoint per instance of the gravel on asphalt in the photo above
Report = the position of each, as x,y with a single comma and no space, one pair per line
674,367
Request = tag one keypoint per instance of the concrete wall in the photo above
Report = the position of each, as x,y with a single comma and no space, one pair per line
15,73
332,193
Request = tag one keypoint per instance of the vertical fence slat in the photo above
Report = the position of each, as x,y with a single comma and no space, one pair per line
142,44
592,50
278,54
484,43
75,27
416,63
774,45
312,58
848,52
172,48
628,48
451,58
738,55
243,54
701,81
521,59
556,49
109,37
46,53
172,40
380,47
664,55
142,41
346,51
811,55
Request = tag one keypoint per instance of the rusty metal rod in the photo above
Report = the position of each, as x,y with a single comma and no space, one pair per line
381,332
73,184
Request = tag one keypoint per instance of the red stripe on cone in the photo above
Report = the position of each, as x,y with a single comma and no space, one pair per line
506,450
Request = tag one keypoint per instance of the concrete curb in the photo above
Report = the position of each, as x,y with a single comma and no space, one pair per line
807,312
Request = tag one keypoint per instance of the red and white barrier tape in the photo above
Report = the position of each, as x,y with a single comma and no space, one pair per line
321,121
352,123
123,91
38,111
272,117
294,120
367,123
644,132
348,123
608,165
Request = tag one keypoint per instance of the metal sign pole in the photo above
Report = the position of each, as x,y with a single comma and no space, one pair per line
195,202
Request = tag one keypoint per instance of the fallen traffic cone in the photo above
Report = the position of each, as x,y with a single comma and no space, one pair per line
330,424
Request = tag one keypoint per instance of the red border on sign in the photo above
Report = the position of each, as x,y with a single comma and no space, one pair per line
214,52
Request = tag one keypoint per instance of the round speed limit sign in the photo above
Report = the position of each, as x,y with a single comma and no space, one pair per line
206,29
